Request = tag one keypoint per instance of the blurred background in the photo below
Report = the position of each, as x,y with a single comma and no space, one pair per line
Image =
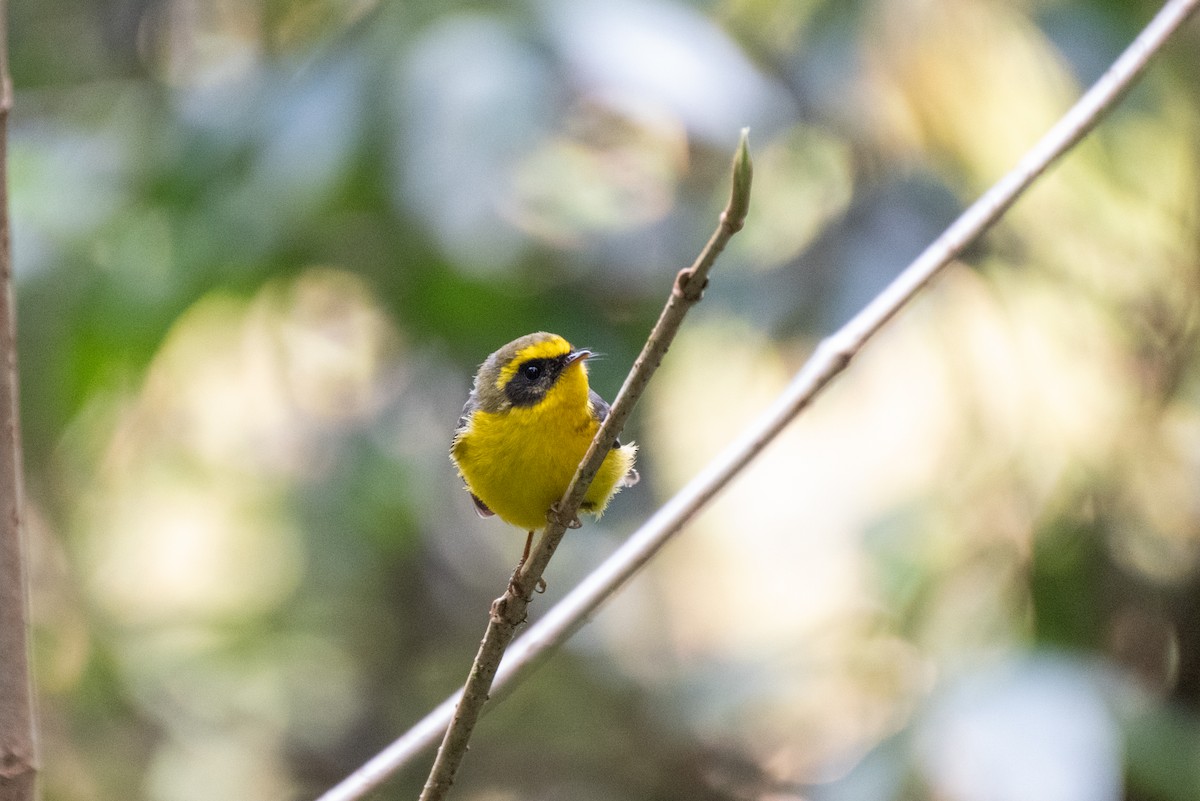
261,248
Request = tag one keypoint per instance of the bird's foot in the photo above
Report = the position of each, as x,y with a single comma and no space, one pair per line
555,515
514,585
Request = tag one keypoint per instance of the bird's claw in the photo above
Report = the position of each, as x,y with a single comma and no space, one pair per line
515,588
555,515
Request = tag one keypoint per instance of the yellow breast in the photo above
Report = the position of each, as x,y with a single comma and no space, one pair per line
520,461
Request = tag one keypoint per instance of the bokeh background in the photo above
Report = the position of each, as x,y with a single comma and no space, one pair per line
262,246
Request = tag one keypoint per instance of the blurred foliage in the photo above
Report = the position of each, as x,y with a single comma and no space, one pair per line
261,247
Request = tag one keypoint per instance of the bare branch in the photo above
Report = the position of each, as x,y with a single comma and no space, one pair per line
831,357
508,611
17,734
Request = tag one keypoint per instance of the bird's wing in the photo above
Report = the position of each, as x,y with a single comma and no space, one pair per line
481,508
600,406
600,409
468,407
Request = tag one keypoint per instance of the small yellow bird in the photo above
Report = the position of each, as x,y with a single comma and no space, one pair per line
526,425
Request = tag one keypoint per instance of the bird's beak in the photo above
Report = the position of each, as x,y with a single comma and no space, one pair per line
577,355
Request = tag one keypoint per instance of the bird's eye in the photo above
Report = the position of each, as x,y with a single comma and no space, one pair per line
531,371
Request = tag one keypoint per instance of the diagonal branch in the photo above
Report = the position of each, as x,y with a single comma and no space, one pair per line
508,611
17,734
832,356
462,710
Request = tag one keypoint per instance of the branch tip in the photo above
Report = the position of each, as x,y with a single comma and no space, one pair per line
743,174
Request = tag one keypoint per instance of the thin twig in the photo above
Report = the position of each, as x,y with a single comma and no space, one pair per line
508,611
18,763
687,291
831,357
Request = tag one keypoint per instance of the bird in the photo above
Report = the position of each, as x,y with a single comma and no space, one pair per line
526,425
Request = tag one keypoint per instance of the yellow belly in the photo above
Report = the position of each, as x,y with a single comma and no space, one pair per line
519,462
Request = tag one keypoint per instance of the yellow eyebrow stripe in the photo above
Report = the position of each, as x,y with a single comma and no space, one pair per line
549,349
